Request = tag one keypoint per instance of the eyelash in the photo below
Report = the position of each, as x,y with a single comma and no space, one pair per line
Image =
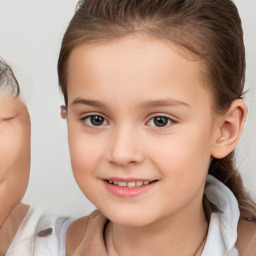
169,120
87,120
8,118
89,117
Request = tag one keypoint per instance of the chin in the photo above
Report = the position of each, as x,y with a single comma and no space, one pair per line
128,219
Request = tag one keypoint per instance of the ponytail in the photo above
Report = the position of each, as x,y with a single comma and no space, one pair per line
224,171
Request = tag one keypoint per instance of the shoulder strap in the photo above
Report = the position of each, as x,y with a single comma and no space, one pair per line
86,236
75,234
246,240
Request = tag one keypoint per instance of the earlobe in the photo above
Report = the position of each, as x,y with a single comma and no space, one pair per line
63,112
230,129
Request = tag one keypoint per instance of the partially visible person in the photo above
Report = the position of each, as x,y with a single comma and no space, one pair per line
23,230
14,156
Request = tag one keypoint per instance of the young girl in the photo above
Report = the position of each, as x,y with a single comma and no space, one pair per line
24,231
153,100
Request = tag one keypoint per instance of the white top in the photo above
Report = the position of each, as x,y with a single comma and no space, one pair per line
40,235
222,232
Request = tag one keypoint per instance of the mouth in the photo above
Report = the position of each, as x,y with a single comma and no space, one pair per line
130,184
128,188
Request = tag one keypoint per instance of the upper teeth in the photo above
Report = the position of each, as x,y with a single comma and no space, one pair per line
130,184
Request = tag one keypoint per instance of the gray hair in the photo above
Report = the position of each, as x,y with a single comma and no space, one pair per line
9,85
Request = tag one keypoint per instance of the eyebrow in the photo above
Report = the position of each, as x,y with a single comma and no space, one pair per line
163,103
93,103
146,104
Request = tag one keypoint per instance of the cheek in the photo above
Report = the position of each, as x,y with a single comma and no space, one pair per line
184,156
15,145
184,165
19,158
84,153
10,150
14,169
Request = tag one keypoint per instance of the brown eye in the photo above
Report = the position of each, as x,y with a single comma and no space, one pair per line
160,121
97,120
94,120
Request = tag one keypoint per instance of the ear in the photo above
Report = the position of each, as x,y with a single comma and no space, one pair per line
229,129
63,112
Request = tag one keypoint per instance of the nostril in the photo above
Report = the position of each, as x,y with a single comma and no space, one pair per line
124,149
125,157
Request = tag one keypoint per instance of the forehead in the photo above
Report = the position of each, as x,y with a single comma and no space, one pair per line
145,61
136,42
132,51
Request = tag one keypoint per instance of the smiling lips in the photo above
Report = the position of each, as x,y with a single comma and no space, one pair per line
128,188
130,184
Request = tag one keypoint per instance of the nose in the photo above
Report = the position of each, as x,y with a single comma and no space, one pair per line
125,147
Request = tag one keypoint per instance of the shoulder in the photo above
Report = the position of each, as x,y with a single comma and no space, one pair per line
39,232
11,226
75,234
246,241
82,228
17,214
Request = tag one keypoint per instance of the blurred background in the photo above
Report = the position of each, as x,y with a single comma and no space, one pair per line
30,36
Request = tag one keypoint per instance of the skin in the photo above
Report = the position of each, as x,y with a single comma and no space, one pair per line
128,92
14,153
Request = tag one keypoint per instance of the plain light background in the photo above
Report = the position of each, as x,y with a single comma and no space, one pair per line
30,36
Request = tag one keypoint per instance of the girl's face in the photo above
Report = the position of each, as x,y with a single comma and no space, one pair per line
141,129
14,153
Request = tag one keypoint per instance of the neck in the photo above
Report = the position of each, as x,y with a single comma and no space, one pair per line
182,234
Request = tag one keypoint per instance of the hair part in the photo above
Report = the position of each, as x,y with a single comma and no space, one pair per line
9,85
210,30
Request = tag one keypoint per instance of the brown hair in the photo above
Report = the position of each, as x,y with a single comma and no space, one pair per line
211,30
